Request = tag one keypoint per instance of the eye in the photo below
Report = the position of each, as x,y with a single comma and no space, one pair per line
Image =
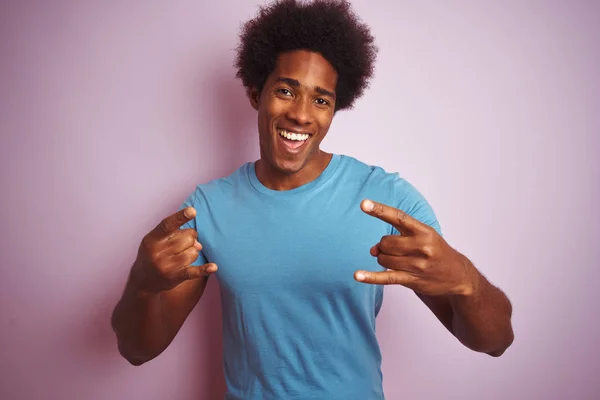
322,102
284,91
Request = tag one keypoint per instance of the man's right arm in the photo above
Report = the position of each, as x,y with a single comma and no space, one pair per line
146,323
161,291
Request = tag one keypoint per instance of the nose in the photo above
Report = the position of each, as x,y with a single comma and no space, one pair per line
300,112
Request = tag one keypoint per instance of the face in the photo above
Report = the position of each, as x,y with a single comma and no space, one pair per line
295,109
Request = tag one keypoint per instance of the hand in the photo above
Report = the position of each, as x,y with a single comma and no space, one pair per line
419,258
165,255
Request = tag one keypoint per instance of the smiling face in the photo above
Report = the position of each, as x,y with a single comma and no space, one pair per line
295,109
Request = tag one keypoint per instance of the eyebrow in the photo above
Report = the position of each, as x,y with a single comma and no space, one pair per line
294,83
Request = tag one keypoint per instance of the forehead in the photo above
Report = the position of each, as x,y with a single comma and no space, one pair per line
308,68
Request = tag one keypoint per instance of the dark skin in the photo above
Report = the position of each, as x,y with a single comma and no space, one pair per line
299,97
472,309
162,289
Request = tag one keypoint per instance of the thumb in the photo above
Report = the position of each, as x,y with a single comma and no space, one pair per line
195,272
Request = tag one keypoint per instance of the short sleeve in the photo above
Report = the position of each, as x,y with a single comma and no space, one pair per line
191,202
412,202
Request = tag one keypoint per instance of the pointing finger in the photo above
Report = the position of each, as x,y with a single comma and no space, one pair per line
406,264
384,277
397,218
173,222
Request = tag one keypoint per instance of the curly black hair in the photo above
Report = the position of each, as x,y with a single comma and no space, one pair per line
327,27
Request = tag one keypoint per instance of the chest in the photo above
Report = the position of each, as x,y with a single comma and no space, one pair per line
292,248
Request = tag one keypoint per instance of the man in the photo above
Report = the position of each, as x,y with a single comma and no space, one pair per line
288,236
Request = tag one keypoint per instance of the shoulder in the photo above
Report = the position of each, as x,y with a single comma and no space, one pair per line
377,175
224,185
401,193
361,171
217,191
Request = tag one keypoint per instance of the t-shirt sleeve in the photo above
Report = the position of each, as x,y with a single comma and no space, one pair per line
191,201
412,202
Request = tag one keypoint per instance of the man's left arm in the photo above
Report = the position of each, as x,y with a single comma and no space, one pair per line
471,308
480,320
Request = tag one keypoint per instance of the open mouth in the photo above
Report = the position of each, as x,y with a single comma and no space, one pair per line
293,140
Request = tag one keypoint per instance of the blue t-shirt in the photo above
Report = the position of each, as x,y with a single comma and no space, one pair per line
296,325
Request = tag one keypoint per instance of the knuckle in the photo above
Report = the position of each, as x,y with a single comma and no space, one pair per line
192,255
153,255
427,250
386,241
160,263
146,243
420,265
390,278
164,226
188,241
401,215
428,233
183,242
188,232
186,273
428,230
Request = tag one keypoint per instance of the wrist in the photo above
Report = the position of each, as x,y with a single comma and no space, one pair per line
472,281
138,285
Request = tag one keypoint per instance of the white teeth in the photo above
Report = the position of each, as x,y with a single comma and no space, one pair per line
293,136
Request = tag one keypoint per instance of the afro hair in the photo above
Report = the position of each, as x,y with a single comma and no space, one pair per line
327,27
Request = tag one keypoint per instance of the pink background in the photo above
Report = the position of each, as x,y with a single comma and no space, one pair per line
112,111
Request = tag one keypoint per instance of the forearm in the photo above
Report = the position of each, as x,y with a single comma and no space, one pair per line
481,318
141,325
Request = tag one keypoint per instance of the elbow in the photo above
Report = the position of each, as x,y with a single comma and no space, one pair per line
131,358
494,347
136,362
498,352
135,353
126,350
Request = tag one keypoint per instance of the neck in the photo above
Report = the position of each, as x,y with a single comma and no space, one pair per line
275,179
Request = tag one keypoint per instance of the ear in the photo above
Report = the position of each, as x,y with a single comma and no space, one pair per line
254,97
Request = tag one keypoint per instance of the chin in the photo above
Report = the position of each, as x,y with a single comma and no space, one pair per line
289,167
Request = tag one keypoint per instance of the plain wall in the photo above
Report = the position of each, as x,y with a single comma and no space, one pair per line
112,111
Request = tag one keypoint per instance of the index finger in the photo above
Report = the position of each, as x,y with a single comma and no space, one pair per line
397,218
173,222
